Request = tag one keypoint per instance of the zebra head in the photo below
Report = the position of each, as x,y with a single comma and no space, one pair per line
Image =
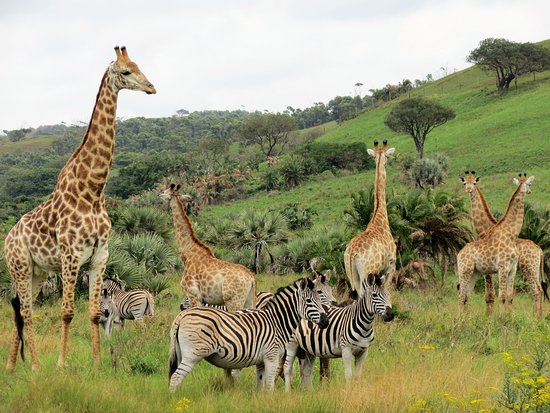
105,305
375,291
323,288
310,306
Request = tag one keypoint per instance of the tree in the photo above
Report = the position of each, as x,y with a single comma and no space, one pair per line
509,59
418,117
270,131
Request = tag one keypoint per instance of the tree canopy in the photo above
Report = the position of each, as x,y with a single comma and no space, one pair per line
418,117
270,131
509,59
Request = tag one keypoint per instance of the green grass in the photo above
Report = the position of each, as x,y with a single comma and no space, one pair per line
429,349
29,144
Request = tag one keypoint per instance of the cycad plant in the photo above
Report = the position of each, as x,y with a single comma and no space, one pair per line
258,232
134,220
536,227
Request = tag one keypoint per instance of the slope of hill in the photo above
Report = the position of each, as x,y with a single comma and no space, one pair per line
497,136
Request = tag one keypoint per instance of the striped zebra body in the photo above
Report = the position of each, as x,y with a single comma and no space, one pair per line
234,340
321,283
262,297
349,333
118,305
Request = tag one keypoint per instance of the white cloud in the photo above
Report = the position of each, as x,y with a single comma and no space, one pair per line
220,55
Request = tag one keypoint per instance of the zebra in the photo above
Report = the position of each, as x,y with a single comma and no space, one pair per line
349,333
234,340
118,305
320,280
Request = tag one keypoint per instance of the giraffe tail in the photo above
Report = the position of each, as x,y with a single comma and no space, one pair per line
543,283
19,323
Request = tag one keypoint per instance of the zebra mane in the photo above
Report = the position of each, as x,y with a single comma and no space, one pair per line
117,281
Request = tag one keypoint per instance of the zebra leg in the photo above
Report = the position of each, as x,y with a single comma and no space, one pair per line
291,349
306,367
184,368
359,361
260,376
347,359
270,371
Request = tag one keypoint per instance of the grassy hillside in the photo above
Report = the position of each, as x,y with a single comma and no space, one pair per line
31,143
497,136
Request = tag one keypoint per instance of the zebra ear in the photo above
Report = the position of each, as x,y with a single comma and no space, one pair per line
303,284
310,284
370,279
105,293
379,280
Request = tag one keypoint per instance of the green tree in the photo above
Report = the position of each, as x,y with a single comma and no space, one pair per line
270,131
418,117
507,59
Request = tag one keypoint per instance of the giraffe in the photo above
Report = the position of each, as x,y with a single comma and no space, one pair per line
531,256
71,227
496,251
373,251
207,279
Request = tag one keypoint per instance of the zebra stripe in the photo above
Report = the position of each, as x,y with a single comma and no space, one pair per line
118,305
322,287
234,340
349,333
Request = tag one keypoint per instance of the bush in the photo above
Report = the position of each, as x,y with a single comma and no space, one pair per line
298,218
432,172
324,156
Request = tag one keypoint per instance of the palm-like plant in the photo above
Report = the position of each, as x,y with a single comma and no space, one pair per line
536,227
258,231
362,208
135,220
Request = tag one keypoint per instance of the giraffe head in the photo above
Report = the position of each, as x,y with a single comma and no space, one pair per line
381,151
469,180
126,74
173,192
524,182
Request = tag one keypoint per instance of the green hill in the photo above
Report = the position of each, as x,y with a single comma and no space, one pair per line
497,136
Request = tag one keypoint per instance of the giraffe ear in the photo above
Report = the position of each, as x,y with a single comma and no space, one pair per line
477,179
462,179
390,151
515,181
371,153
530,180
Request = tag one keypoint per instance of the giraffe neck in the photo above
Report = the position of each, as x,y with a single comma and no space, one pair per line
481,215
512,220
187,240
88,167
380,212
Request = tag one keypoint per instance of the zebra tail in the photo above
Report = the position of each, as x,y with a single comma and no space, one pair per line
150,309
174,361
16,304
543,283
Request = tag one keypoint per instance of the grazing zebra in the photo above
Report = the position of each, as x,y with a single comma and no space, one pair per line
322,287
348,334
234,340
118,305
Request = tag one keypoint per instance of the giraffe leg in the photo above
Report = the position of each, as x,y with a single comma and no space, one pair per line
466,283
324,369
489,294
21,271
95,281
530,273
70,271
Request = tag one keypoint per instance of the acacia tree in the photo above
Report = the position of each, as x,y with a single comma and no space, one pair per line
509,59
418,117
270,131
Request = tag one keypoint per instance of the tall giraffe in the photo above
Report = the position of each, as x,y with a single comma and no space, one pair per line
496,252
531,256
373,251
72,226
207,279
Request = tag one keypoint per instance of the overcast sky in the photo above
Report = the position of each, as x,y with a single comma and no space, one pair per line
254,55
